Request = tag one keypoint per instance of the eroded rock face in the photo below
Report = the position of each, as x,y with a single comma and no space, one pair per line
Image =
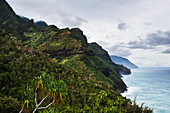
63,45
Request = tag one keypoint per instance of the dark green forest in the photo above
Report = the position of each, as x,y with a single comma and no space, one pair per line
51,70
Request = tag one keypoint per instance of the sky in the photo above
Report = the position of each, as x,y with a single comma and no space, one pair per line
135,29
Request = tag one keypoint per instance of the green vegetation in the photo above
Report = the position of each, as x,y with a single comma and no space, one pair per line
103,54
51,70
47,88
20,66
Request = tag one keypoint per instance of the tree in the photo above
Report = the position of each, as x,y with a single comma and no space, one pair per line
46,84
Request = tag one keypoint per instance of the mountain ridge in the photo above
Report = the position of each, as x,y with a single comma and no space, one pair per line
123,61
37,23
103,54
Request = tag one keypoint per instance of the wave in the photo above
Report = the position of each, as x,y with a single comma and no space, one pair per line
130,91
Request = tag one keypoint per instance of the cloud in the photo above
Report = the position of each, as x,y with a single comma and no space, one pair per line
138,45
119,51
166,51
151,41
159,38
73,21
122,26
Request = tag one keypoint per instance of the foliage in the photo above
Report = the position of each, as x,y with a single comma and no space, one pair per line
134,108
9,104
103,54
48,88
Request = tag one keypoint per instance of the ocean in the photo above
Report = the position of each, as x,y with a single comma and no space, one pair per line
150,85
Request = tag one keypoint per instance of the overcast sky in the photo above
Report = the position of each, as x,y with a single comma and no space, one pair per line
135,29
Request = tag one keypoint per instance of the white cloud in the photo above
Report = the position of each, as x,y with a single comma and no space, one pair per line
73,21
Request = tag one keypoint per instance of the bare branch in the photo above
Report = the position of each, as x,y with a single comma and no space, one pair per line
34,110
21,110
48,104
36,96
43,100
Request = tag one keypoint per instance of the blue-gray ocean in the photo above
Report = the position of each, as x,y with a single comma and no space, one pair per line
151,85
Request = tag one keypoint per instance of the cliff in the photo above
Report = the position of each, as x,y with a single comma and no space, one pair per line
103,54
68,43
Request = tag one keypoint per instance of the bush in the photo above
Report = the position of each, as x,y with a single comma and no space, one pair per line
9,105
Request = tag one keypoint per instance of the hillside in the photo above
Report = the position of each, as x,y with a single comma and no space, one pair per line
71,42
56,68
123,61
103,54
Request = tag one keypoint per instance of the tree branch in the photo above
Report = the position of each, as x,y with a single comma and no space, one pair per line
48,104
21,110
36,96
43,100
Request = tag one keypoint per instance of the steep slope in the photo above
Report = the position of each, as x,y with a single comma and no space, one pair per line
69,43
123,61
8,19
65,43
103,54
8,16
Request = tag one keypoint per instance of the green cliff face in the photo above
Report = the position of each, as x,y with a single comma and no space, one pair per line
8,16
67,43
27,51
8,19
63,44
103,54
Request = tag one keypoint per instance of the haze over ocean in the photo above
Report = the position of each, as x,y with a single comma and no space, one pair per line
151,85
